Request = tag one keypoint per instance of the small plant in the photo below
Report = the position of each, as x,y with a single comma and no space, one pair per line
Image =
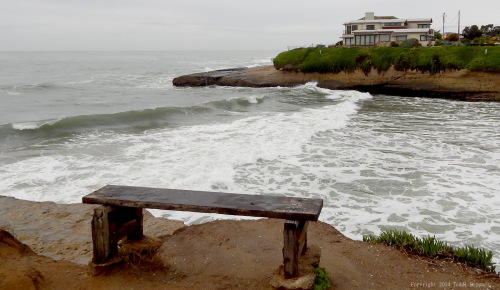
430,247
322,281
475,257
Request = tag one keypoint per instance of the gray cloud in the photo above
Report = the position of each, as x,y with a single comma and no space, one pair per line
218,24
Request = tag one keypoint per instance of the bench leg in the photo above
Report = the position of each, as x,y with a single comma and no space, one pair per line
294,244
111,224
137,231
103,249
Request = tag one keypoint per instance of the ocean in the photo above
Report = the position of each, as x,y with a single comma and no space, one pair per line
72,122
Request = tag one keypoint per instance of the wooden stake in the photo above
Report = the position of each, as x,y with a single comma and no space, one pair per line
294,244
101,235
110,225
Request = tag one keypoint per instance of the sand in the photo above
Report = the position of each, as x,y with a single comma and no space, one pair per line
48,245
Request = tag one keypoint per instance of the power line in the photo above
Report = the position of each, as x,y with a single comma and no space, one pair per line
454,19
457,19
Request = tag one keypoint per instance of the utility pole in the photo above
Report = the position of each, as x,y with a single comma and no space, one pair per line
458,24
444,15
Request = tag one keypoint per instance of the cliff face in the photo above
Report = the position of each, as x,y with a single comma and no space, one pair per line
460,85
223,254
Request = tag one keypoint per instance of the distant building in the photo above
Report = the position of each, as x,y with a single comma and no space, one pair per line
374,30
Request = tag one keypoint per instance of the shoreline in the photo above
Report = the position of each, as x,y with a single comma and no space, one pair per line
220,254
461,85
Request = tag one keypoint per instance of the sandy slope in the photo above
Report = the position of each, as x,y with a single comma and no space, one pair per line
218,255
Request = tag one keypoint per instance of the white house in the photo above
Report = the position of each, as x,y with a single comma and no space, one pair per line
374,30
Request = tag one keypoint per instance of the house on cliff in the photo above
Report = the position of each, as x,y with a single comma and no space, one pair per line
374,30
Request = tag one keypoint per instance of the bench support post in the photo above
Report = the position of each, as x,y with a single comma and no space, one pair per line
294,244
111,224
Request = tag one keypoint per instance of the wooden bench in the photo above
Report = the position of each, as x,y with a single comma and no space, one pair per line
121,215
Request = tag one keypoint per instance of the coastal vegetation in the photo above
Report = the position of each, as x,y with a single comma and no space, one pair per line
424,59
432,248
322,282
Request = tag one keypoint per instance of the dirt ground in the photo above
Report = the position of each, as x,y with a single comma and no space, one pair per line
45,253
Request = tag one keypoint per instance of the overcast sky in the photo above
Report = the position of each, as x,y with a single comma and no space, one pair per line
68,25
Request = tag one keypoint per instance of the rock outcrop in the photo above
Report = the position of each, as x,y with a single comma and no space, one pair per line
459,84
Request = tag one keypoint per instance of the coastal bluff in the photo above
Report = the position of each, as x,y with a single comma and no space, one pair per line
462,84
44,245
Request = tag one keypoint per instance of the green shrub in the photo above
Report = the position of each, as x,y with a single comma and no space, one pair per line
483,40
412,42
452,37
334,60
292,57
430,247
424,59
322,282
475,257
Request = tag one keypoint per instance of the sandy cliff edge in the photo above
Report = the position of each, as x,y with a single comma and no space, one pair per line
223,254
459,84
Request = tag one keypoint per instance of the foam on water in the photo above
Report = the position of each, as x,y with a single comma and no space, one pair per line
197,157
430,167
32,125
374,171
386,172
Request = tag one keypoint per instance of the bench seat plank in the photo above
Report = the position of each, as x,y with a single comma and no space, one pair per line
290,208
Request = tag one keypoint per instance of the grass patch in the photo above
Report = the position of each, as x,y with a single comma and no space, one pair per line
322,282
292,57
432,248
425,59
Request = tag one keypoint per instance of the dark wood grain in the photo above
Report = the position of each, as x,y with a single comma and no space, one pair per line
294,244
290,208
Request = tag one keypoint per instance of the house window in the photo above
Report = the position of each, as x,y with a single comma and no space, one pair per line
385,37
365,40
393,24
401,38
349,41
423,37
348,29
423,26
370,27
354,27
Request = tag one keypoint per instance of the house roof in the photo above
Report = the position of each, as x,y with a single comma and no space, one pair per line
419,20
389,20
387,31
380,17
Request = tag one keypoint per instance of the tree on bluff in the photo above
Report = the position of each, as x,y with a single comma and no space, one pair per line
490,30
471,32
452,37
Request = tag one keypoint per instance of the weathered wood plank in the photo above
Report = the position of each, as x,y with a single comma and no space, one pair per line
111,224
102,246
290,249
302,233
289,208
138,231
294,244
121,216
